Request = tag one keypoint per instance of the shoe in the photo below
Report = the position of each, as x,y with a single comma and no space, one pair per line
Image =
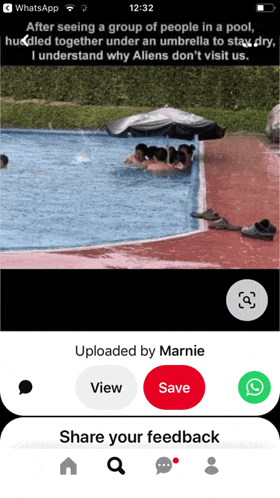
210,215
223,224
268,226
256,231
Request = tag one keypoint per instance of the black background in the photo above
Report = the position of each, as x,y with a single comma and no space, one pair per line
14,26
87,300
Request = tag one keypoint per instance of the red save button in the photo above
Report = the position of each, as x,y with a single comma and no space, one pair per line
174,387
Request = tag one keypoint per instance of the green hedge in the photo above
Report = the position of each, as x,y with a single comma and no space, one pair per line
220,87
29,115
67,116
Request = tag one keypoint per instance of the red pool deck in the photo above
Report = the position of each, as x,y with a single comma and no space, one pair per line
241,184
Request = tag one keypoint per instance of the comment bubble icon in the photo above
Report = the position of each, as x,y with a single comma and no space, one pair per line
163,465
25,387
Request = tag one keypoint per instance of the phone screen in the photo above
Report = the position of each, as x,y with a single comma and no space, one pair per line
139,137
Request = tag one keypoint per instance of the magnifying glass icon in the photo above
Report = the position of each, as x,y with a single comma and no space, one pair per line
118,468
247,300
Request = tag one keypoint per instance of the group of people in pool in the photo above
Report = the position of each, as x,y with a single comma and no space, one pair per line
152,158
161,159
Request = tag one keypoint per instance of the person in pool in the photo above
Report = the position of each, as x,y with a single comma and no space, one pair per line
172,155
150,152
160,161
4,161
182,161
138,156
188,150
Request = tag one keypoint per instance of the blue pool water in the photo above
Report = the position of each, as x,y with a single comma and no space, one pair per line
72,188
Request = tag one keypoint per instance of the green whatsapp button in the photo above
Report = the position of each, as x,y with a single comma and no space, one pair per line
254,387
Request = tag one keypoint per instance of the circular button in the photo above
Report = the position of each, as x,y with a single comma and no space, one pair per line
174,387
247,300
254,387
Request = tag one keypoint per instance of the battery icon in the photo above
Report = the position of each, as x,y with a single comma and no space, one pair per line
265,7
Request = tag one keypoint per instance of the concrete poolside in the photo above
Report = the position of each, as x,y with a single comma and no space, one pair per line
241,184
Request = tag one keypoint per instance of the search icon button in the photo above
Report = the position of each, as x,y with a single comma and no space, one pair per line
246,300
114,468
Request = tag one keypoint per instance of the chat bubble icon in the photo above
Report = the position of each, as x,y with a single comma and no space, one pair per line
254,387
25,387
163,465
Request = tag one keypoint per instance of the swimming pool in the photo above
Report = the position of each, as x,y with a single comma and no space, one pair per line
71,188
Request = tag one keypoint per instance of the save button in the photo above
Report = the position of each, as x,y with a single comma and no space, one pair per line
174,387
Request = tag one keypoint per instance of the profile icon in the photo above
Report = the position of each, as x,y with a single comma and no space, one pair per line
211,470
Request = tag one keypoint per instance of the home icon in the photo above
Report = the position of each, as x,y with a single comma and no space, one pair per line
68,464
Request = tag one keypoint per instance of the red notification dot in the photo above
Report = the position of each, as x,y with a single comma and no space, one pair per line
174,387
175,460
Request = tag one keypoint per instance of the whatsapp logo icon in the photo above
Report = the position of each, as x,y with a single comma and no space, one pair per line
254,387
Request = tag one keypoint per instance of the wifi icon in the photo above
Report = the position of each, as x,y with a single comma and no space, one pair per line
69,7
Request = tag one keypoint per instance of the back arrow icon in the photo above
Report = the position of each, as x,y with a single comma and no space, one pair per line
23,40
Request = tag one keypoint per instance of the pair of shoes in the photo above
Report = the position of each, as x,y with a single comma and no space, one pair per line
223,224
219,222
260,230
209,215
